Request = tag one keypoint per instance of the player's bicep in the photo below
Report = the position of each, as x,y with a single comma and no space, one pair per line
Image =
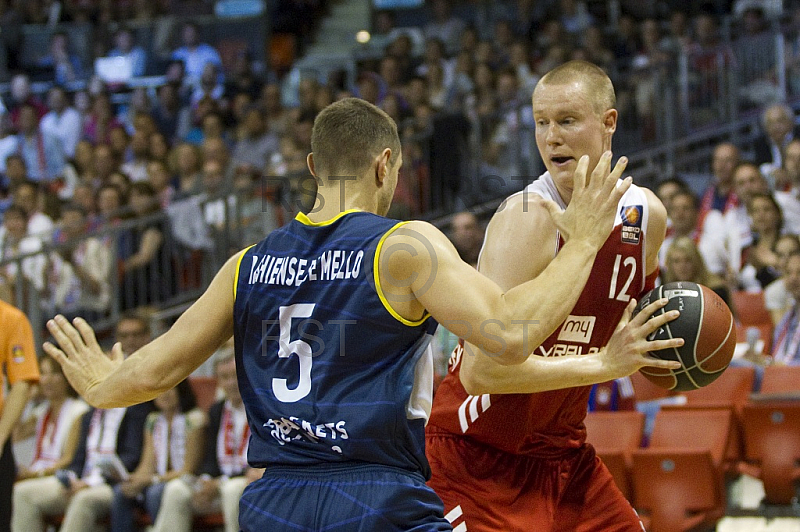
656,230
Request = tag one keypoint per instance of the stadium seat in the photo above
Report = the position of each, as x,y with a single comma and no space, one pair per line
205,389
732,388
678,481
752,312
772,443
645,390
615,435
781,379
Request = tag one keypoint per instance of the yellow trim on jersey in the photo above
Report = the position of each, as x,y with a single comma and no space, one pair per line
239,265
379,290
303,219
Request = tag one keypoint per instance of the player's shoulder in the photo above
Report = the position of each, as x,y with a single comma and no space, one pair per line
658,213
11,314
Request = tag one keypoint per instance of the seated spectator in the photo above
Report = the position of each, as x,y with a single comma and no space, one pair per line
158,175
759,259
145,258
170,116
173,447
187,159
14,242
63,121
778,124
79,271
104,164
208,85
224,472
55,425
27,195
242,79
777,298
101,121
684,263
108,438
119,141
256,145
789,200
41,150
682,214
110,204
214,185
136,167
786,339
21,94
66,66
125,46
194,54
159,147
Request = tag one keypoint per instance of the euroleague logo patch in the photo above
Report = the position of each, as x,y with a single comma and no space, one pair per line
17,354
631,224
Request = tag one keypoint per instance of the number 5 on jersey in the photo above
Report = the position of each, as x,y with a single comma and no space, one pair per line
612,290
287,348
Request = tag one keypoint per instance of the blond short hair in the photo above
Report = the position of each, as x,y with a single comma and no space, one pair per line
601,89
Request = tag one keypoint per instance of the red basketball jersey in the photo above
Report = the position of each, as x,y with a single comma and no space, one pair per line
545,424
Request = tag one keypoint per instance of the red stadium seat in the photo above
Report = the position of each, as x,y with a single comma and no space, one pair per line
615,435
752,312
645,390
732,388
781,379
772,443
678,481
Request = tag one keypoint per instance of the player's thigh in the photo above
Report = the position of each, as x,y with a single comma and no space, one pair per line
592,502
484,490
362,500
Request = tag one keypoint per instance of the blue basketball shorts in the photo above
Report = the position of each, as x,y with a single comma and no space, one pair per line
347,497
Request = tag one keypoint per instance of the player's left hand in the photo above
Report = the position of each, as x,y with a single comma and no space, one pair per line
84,363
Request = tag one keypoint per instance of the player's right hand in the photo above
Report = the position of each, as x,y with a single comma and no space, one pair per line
589,217
628,349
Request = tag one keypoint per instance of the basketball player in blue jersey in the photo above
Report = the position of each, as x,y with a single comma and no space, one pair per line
332,315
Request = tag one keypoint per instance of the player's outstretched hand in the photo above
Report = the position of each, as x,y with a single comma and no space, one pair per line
593,206
627,350
85,364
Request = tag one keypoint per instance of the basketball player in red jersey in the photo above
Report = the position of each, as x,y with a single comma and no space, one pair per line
506,454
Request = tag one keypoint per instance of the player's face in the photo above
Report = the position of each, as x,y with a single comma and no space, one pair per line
568,127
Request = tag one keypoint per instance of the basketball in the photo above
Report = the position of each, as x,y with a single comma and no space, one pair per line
707,328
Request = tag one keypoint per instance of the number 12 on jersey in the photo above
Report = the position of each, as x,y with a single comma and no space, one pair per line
629,262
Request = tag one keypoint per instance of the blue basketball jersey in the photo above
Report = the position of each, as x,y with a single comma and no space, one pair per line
327,370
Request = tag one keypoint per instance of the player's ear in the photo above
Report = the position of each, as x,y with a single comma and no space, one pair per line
382,166
310,163
610,121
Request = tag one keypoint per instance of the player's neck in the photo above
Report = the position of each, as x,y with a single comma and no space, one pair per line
332,202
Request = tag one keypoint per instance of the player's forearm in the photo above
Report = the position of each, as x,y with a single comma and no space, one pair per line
535,309
12,409
536,374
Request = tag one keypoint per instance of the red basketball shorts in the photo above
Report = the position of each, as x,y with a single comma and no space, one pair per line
486,490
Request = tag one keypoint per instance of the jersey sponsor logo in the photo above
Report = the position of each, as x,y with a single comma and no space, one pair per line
631,224
18,354
287,430
468,411
577,329
455,515
560,350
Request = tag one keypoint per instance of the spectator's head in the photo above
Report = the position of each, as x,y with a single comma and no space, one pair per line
174,73
753,20
468,39
678,25
53,384
667,189
705,29
351,136
683,213
791,161
390,71
28,120
584,93
124,40
122,181
20,87
369,87
254,124
507,85
73,220
168,96
384,22
213,125
213,176
110,201
118,140
417,92
225,371
766,215
208,77
401,47
434,50
59,44
16,171
215,149
302,130
158,175
723,163
271,98
190,35
778,121
440,10
57,99
307,92
83,196
140,144
241,102
684,263
104,161
143,199
391,105
187,159
140,102
177,400
83,102
792,275
503,34
15,220
101,107
747,181
324,98
159,148
484,52
26,195
466,234
785,246
593,38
